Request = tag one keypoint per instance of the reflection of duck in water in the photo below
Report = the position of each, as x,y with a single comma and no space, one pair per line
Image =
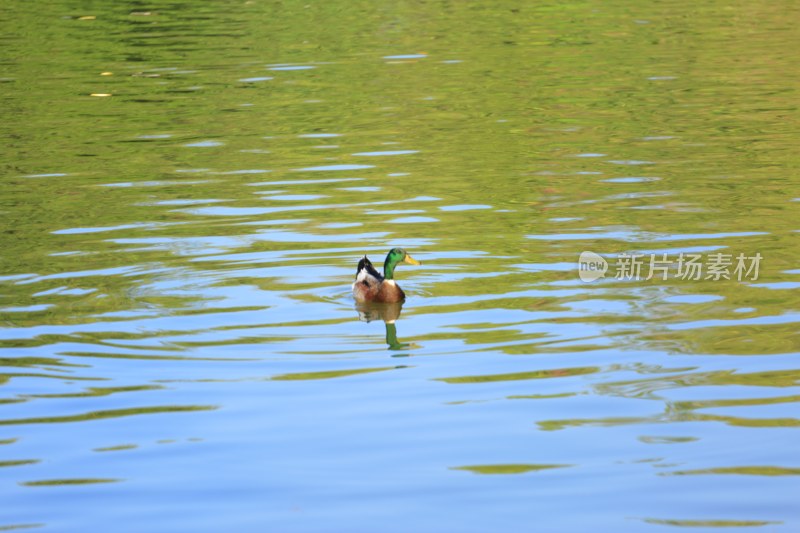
389,313
371,286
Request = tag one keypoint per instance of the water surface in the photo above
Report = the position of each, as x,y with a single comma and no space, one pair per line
186,191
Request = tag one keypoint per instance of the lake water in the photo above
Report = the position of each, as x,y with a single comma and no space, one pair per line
187,189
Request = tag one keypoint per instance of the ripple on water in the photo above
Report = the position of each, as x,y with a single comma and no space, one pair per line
302,182
632,162
204,144
295,197
386,153
406,56
319,135
464,207
141,225
413,220
330,168
292,67
636,236
631,180
243,171
164,183
360,189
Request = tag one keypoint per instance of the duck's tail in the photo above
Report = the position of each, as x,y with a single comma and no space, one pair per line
365,268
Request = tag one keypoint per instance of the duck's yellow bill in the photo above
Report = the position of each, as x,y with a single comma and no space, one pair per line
411,261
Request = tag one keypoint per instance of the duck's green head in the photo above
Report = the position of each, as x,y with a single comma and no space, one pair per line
395,257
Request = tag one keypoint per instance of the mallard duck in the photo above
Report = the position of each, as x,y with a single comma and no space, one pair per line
370,286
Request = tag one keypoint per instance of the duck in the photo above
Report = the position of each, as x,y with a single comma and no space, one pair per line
371,286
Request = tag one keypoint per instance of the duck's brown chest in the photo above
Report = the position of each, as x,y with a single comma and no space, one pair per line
390,291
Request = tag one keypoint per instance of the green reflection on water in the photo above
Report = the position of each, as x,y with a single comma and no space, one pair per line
110,413
11,400
149,356
550,425
648,388
739,470
702,128
6,377
508,468
389,313
541,396
518,376
330,374
710,523
19,462
68,481
36,361
117,448
98,391
657,439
